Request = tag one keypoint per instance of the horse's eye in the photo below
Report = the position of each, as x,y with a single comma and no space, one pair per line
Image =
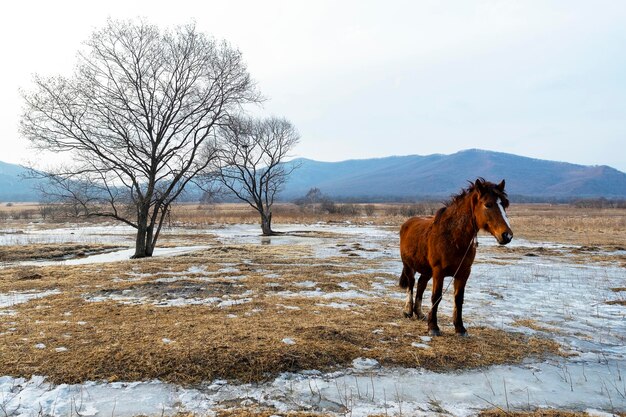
489,205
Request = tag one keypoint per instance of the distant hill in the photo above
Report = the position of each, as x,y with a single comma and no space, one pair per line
13,186
413,177
438,175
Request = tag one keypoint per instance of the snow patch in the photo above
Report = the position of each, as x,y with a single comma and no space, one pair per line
341,306
230,303
117,256
364,364
306,284
286,307
13,297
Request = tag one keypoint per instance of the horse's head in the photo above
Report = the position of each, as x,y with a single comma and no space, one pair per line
490,204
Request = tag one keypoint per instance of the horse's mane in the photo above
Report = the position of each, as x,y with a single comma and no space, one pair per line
457,198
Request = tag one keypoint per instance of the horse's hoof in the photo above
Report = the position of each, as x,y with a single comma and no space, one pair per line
434,332
407,315
462,334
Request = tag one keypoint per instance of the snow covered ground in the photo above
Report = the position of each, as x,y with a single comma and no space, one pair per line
115,256
78,234
566,301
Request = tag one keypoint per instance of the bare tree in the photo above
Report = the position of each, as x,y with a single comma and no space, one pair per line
252,162
139,118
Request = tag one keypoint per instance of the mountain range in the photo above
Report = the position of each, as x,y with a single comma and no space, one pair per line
13,186
438,175
415,177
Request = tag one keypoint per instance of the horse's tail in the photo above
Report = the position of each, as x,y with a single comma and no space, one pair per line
407,278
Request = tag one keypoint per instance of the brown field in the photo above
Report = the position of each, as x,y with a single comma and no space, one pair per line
539,222
106,321
561,223
17,253
19,207
118,339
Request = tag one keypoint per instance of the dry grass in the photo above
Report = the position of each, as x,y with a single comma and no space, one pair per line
265,412
15,207
568,224
604,256
621,302
113,340
54,251
592,227
193,214
541,412
268,412
534,325
598,232
540,222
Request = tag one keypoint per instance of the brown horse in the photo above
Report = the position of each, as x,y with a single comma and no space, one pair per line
445,245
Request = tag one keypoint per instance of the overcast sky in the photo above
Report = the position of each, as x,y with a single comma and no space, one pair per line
361,79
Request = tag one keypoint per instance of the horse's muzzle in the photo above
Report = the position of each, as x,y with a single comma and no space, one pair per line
505,238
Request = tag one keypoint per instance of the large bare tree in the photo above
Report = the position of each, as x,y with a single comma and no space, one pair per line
252,162
139,117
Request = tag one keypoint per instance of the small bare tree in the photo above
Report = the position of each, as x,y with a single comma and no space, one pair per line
252,162
139,117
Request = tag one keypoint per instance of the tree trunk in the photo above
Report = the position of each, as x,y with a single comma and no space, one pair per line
266,224
150,241
141,242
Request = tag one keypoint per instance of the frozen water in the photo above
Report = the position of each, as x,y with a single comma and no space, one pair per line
566,301
318,293
103,233
117,256
306,284
77,234
363,390
364,364
570,299
341,306
228,303
373,241
13,297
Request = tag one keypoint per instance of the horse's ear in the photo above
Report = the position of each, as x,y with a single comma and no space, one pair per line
480,186
500,186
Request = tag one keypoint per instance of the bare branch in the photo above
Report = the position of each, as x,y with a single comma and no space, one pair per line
252,161
137,114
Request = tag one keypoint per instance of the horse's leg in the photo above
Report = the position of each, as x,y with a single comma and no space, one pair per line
407,280
459,294
422,282
435,299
